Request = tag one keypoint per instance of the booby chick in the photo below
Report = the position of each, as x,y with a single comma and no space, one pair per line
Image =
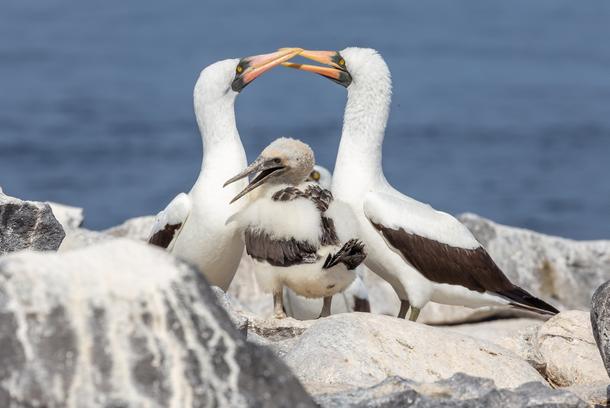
353,299
192,226
425,254
288,229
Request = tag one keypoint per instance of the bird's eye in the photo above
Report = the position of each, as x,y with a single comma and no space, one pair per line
239,69
315,175
277,160
342,62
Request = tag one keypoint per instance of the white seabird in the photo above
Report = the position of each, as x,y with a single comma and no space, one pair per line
353,299
289,227
426,255
193,226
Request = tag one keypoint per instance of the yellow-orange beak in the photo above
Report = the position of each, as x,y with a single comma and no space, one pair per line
334,68
250,68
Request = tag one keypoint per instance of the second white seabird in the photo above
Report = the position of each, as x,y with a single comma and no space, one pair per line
426,255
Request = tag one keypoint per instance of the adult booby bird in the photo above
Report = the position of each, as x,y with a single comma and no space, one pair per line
426,255
192,226
288,229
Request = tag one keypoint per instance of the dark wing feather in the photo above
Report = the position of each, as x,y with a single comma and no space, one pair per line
471,268
163,237
278,252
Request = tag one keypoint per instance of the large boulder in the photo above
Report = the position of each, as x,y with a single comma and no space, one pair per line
124,324
355,350
28,225
600,321
459,391
562,349
562,271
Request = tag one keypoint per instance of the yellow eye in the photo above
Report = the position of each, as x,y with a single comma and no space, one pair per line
315,175
239,69
341,61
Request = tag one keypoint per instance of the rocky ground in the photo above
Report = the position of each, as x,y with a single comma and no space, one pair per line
102,319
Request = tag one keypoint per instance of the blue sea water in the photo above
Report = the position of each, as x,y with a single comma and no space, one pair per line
500,108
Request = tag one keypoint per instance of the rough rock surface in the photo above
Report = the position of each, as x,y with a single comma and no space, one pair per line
69,217
81,238
354,350
123,324
565,349
460,390
27,225
135,228
600,321
562,271
596,395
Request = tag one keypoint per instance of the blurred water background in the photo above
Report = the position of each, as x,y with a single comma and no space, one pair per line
500,108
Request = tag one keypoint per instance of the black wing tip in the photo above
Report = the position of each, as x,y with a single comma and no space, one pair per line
351,254
522,299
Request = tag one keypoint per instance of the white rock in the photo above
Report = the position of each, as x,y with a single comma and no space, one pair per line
69,217
134,228
360,349
81,237
566,349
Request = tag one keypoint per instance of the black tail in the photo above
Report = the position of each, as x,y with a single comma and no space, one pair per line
351,255
522,299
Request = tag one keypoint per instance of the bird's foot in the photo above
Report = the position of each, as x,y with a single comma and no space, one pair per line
404,308
414,314
280,315
326,307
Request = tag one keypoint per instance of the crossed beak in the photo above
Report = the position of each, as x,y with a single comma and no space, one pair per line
250,68
334,66
264,166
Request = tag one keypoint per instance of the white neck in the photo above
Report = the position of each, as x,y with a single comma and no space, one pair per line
223,152
358,164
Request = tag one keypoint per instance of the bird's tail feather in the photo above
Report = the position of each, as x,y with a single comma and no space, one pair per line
524,300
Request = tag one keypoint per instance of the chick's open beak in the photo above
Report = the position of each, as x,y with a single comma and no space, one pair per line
334,68
250,68
265,166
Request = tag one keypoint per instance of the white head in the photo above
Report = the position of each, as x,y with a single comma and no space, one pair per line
220,83
369,86
284,161
321,175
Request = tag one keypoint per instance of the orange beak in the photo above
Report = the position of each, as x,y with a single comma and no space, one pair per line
334,68
250,68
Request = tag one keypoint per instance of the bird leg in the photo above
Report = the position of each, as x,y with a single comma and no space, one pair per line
278,304
414,314
326,307
404,307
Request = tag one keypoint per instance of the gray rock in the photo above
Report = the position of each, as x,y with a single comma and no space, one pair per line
460,390
125,324
596,395
28,225
69,217
561,271
600,321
